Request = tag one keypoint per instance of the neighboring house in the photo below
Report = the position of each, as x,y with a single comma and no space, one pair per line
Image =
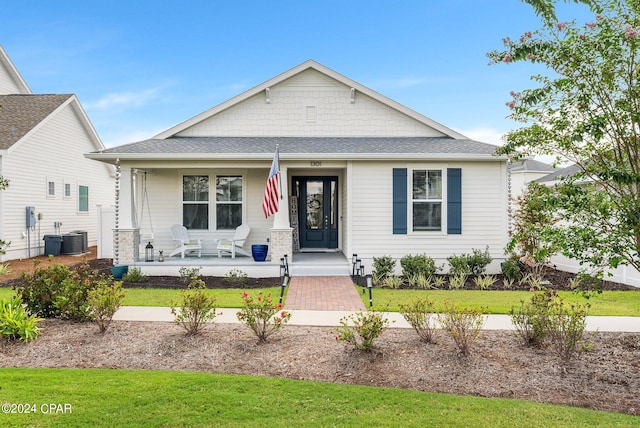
43,139
623,274
360,173
525,171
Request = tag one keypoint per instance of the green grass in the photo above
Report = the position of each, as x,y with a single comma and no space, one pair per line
227,297
99,397
612,303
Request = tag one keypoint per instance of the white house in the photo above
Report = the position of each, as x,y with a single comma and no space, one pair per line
53,189
525,171
360,173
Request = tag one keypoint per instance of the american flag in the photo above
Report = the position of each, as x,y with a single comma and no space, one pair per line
271,191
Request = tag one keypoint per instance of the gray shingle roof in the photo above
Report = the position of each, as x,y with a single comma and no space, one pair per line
559,174
304,145
19,114
531,165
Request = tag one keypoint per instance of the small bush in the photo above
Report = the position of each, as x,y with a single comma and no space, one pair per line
135,275
511,270
483,282
366,328
463,324
478,261
237,276
189,273
392,281
104,300
196,309
261,316
419,314
16,322
421,281
418,264
458,265
565,328
383,267
531,319
457,282
439,281
4,269
58,291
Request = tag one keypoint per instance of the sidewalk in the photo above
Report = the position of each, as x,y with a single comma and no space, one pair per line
332,318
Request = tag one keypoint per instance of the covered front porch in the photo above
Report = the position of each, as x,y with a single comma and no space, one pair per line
333,263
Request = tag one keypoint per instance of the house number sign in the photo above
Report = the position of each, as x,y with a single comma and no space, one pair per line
316,163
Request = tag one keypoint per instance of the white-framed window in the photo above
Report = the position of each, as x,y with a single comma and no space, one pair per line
83,199
426,200
229,202
67,190
195,201
51,188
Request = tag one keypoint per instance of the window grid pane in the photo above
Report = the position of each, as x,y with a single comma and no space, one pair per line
195,197
427,200
83,198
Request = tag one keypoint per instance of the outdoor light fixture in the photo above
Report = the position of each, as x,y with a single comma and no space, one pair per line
359,271
283,269
161,256
148,253
353,264
369,280
283,284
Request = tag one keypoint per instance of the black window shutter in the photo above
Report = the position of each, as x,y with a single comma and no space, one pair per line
454,201
399,201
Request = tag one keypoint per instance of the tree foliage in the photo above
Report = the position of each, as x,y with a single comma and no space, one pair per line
585,110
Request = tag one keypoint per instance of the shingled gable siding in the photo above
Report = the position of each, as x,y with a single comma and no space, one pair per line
454,201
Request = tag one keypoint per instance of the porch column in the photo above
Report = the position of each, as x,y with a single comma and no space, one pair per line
126,237
281,232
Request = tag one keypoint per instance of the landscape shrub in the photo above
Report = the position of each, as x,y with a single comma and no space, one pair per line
418,264
419,314
104,300
469,264
483,282
463,324
421,281
511,270
456,282
392,281
16,322
565,328
196,309
361,329
135,275
189,273
236,276
261,316
383,267
58,291
531,319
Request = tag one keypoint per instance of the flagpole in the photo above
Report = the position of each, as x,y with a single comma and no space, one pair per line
279,176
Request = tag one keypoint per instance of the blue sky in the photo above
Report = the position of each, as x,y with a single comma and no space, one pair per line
140,67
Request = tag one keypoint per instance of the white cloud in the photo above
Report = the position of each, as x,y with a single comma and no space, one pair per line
485,135
124,99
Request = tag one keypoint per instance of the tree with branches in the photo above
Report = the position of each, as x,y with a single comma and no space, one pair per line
585,110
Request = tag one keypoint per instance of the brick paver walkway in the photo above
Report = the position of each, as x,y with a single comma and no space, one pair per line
323,293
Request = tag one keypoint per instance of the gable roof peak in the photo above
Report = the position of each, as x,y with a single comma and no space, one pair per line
14,74
309,64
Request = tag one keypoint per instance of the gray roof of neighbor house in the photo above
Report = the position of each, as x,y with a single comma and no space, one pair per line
292,147
19,114
560,173
531,165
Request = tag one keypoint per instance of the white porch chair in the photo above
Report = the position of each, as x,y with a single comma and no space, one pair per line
185,244
235,244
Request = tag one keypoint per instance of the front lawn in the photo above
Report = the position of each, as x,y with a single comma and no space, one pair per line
98,397
611,303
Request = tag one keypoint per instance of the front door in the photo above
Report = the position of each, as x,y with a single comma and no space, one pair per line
318,212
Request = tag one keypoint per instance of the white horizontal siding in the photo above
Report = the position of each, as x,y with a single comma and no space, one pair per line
54,152
483,213
7,84
164,189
